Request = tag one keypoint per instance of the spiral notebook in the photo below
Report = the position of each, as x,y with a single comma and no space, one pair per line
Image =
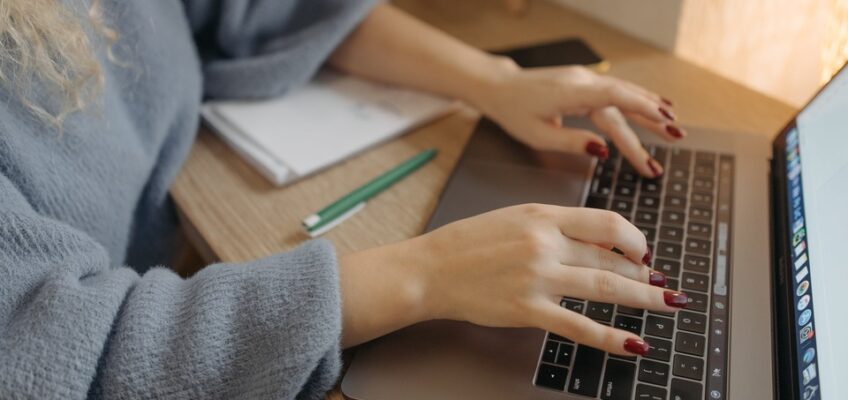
315,126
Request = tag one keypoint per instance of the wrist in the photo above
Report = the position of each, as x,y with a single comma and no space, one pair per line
489,75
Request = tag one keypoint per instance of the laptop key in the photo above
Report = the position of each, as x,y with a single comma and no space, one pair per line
629,176
669,250
624,189
698,246
660,153
621,205
653,372
650,233
599,311
702,184
679,188
551,376
659,349
671,233
618,380
602,187
680,156
699,229
659,326
651,186
688,367
685,390
679,172
689,344
704,170
693,281
586,375
673,217
550,351
697,301
564,354
676,202
630,324
668,267
705,157
648,392
672,284
696,264
700,213
692,322
646,217
647,201
576,306
702,199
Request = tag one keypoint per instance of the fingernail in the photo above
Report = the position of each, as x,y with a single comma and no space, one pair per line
598,150
646,259
637,346
666,114
675,299
667,101
673,131
655,167
657,279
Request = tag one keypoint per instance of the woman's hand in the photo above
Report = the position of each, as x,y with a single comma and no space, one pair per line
530,104
510,268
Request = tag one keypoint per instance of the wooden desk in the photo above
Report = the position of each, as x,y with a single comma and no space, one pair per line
231,213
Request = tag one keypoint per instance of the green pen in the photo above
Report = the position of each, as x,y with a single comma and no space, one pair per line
332,215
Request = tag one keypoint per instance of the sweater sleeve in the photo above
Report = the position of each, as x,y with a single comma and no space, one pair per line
261,48
75,327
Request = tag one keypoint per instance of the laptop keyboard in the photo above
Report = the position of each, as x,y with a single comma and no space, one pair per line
685,216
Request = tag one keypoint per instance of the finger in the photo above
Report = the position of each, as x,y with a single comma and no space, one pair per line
605,92
604,228
645,92
582,330
667,131
608,287
549,136
610,121
592,256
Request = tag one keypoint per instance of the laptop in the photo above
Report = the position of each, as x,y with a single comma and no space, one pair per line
750,230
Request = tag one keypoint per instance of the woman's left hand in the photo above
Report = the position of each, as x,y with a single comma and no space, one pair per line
530,103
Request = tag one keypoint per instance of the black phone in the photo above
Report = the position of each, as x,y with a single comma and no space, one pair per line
560,52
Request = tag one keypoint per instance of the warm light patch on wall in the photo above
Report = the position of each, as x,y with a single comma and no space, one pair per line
835,51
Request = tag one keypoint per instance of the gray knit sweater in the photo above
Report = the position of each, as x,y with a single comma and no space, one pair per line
86,310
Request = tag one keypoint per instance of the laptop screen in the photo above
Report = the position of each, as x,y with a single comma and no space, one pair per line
817,182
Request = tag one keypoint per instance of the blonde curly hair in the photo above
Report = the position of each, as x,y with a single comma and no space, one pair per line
46,45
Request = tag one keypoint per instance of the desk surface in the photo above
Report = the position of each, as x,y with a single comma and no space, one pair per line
231,213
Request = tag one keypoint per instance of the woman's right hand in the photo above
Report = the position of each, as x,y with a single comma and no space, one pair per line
510,268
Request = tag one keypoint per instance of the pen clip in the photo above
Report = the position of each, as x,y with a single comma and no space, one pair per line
332,224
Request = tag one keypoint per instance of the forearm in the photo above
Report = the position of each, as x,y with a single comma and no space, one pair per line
382,291
393,47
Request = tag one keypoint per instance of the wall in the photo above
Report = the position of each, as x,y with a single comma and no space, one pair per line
774,46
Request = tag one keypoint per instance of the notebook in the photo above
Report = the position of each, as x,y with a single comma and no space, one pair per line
315,126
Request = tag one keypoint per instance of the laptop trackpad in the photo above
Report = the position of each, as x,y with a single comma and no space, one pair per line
495,171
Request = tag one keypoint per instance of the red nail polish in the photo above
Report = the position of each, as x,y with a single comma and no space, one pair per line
652,164
667,101
675,299
637,346
673,131
657,279
666,114
598,150
646,259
